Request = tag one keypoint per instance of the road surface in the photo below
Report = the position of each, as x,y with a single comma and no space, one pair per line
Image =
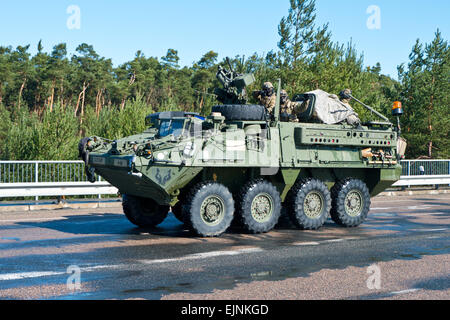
401,252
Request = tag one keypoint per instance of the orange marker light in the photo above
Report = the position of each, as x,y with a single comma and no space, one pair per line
397,109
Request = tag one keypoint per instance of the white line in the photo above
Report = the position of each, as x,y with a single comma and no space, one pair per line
429,230
35,219
25,275
39,274
204,255
404,291
312,243
334,240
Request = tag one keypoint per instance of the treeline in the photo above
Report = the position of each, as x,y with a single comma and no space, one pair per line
50,100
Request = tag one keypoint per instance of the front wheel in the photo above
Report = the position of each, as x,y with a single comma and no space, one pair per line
143,212
209,209
351,202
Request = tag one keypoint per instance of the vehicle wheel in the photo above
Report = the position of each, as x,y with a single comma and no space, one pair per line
241,112
350,202
259,206
177,211
209,209
144,213
308,204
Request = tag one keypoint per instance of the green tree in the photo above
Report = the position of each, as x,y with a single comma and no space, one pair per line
425,84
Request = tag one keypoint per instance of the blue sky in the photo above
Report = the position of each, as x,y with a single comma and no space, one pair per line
117,29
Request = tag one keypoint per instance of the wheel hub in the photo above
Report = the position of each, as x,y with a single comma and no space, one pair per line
212,210
354,203
313,204
262,207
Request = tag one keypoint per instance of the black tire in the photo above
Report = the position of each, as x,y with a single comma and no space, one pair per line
177,211
209,209
350,202
260,218
142,212
233,112
309,204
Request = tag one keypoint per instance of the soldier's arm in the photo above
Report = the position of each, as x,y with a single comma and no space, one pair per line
256,94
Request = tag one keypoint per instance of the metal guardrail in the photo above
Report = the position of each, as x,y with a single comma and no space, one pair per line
406,181
48,178
67,178
42,171
55,189
430,167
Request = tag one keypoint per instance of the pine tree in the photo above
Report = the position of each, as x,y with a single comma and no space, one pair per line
424,92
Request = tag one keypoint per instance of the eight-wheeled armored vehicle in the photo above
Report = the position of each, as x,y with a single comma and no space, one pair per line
241,164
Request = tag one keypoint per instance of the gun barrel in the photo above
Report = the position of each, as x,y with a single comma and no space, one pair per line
370,109
229,64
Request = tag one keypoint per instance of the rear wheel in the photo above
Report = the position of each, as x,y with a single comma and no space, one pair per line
143,212
259,206
351,202
209,209
309,204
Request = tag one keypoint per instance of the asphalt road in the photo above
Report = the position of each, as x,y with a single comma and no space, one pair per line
401,252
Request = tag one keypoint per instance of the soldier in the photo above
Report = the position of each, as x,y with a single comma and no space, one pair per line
345,96
288,108
266,97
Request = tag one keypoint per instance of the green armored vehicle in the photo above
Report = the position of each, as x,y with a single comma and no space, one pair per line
241,164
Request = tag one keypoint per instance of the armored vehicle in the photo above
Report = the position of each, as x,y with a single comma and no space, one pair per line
242,165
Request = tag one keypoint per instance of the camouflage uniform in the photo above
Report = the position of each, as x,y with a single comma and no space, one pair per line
266,97
288,107
345,97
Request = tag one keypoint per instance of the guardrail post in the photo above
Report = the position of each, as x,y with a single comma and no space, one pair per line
409,171
99,179
36,177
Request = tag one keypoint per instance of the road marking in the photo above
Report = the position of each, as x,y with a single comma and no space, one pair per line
36,219
429,230
312,243
334,240
404,291
419,207
316,243
25,275
203,255
196,256
40,274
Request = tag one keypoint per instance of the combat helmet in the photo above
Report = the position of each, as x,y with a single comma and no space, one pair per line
268,88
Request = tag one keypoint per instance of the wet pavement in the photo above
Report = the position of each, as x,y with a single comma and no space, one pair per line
98,254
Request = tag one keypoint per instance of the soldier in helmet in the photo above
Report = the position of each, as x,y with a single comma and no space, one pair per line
345,96
266,97
288,108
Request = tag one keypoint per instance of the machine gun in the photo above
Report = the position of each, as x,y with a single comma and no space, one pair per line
234,85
